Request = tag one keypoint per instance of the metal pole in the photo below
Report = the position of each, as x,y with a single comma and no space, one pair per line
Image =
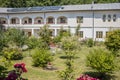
8,21
93,19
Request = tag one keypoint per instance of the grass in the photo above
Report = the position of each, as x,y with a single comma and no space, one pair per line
37,73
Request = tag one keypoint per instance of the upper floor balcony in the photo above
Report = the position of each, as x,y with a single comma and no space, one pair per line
34,21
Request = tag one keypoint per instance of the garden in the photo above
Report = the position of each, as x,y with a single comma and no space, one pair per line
64,57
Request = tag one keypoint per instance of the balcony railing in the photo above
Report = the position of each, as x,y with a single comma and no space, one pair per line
61,22
39,23
26,23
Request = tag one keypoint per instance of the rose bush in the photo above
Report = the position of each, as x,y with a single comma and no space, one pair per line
16,74
86,77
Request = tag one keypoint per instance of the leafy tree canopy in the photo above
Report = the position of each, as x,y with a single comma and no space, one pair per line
30,3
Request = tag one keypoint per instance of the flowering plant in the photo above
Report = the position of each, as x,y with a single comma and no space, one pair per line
86,77
20,66
16,74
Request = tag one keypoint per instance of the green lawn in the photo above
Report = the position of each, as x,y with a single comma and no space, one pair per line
37,73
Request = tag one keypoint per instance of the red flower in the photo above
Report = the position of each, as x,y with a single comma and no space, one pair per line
12,76
22,66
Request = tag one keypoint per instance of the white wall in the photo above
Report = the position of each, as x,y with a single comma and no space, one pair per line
86,26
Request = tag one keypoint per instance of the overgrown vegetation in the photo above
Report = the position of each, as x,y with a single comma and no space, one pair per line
69,45
41,57
12,53
16,36
101,60
112,41
30,3
45,37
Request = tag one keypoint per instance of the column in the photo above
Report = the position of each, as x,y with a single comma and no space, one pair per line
32,32
55,33
44,18
32,21
8,22
20,21
55,20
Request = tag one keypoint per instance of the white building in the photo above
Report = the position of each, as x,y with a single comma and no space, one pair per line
95,19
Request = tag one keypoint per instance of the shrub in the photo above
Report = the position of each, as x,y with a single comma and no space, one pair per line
69,43
101,60
12,53
41,57
45,36
113,40
17,36
62,33
32,42
86,77
90,42
16,74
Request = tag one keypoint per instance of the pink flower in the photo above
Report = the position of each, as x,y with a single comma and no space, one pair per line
86,77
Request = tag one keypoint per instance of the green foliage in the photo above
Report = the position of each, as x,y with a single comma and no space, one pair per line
3,38
62,33
90,42
113,40
67,74
41,57
45,36
30,3
32,42
17,36
77,30
12,53
69,43
101,60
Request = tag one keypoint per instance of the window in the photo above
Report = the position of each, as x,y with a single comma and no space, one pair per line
109,18
114,17
79,19
62,20
13,21
3,21
99,34
25,22
30,20
39,21
81,34
104,18
50,20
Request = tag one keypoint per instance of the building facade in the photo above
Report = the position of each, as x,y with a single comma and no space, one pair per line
95,20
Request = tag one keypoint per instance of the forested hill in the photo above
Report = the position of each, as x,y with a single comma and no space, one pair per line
31,3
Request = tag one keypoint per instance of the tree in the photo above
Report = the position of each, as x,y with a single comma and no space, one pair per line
17,36
77,30
31,3
112,41
45,36
101,60
69,45
3,37
32,42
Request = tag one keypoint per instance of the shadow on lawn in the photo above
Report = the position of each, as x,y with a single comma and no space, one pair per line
66,57
101,76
